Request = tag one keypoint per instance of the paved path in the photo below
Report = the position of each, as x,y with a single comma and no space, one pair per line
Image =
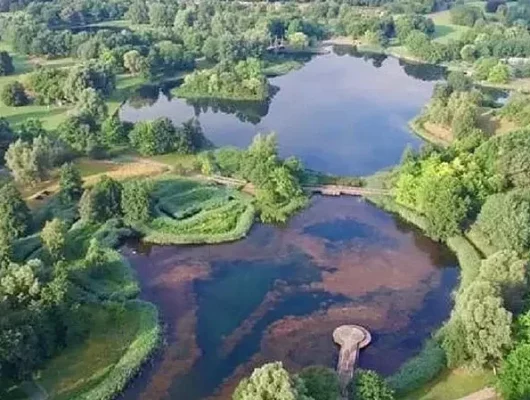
351,339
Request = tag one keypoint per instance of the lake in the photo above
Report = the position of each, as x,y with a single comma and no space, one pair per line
279,293
338,114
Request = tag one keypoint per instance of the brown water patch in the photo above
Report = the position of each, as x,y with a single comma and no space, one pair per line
379,272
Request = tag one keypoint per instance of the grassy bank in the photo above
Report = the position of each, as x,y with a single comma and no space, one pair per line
121,339
417,126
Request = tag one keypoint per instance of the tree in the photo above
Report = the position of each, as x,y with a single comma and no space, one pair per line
444,206
514,378
14,213
134,62
21,161
468,53
114,131
321,383
483,67
486,323
30,162
158,137
91,103
500,73
6,64
79,132
465,15
269,382
507,270
102,201
368,385
298,40
97,76
161,15
138,12
459,81
30,129
53,237
136,202
70,183
95,256
505,220
14,95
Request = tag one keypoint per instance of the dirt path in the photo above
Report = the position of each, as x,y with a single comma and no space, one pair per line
484,394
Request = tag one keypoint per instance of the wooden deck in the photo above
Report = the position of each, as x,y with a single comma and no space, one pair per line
351,339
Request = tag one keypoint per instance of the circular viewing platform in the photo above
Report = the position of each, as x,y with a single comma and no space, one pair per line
351,339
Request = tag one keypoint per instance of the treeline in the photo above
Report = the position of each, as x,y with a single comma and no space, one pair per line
216,30
31,152
478,186
273,382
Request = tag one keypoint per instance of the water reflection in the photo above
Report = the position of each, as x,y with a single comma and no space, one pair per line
278,295
339,114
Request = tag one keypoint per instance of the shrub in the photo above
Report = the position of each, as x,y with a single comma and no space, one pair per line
14,95
321,383
419,370
514,378
368,385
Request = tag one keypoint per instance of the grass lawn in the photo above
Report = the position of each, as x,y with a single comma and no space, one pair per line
51,117
452,385
444,29
83,367
180,162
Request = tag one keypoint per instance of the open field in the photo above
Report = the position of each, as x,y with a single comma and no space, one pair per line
444,29
51,117
92,171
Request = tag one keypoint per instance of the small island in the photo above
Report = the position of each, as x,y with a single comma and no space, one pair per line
243,80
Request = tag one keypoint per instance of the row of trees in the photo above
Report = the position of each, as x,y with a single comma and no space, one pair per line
273,382
479,182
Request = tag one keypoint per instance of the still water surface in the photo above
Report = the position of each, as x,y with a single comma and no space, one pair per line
279,293
339,114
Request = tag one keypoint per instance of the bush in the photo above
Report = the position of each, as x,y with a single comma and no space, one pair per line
514,379
419,370
6,64
321,383
14,95
368,385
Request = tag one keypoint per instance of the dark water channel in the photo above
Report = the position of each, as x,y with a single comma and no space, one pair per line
279,293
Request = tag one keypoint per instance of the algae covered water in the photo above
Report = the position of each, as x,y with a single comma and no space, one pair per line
279,293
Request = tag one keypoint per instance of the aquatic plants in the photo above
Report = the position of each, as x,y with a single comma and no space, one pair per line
188,213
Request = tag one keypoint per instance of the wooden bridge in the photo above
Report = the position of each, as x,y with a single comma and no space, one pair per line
340,190
324,190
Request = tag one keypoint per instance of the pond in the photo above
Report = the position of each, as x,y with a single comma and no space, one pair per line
339,114
279,293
